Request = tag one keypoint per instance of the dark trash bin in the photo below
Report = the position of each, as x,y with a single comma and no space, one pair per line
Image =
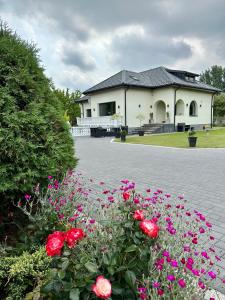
181,127
98,132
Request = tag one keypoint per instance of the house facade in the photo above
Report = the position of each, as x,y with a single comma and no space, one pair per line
160,96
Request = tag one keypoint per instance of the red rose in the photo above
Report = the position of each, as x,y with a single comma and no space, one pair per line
73,235
54,244
102,288
138,215
149,228
126,196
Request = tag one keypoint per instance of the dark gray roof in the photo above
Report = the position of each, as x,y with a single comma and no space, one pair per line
82,99
152,78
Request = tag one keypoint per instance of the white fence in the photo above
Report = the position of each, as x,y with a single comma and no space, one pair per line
99,122
80,131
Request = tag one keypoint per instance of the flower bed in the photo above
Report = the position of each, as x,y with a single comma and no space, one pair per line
122,244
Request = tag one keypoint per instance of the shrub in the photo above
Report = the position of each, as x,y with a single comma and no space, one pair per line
142,245
35,139
19,275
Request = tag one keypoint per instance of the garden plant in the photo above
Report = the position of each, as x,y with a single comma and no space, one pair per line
116,243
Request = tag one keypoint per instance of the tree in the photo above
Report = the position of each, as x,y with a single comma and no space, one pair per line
35,139
214,76
219,106
70,108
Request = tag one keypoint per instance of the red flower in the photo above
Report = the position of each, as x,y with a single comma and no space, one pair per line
126,196
54,244
138,215
149,228
73,235
102,288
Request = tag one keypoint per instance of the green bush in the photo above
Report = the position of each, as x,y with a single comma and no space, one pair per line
19,275
35,139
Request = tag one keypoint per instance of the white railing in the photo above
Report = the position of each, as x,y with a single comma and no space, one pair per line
80,131
106,121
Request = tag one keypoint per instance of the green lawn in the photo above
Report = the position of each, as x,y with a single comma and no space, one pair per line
213,139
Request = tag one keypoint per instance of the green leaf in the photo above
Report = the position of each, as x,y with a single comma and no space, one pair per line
130,279
91,267
65,264
74,294
61,274
131,248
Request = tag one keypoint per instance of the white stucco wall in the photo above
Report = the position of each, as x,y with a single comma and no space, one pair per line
148,100
86,105
136,97
116,95
167,96
202,99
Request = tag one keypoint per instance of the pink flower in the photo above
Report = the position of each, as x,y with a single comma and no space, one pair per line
201,230
182,283
126,196
136,201
156,284
138,215
149,228
171,277
92,221
208,224
174,263
73,235
212,274
160,292
201,285
166,253
27,197
54,244
205,254
102,288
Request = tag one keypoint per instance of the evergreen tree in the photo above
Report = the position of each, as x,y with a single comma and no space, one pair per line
34,137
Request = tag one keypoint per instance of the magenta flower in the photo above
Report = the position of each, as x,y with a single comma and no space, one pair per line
201,285
166,253
208,224
212,274
205,255
171,278
182,283
27,197
201,230
156,284
174,264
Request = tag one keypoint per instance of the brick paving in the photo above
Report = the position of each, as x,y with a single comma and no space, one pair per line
197,173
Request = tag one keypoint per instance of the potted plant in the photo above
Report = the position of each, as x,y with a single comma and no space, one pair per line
141,118
123,134
192,138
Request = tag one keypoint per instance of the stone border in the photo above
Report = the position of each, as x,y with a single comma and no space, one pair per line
167,147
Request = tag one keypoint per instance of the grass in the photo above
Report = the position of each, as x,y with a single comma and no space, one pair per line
212,139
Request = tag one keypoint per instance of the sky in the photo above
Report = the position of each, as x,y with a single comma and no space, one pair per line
83,42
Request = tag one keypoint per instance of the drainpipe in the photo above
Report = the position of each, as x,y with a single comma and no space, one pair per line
125,105
174,108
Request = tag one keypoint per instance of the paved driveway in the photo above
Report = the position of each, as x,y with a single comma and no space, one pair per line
199,174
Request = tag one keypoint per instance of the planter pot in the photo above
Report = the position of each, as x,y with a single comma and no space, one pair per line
123,138
192,141
141,132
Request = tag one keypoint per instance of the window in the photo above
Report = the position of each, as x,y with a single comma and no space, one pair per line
107,109
88,112
193,109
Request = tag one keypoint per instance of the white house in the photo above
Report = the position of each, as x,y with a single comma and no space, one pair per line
163,96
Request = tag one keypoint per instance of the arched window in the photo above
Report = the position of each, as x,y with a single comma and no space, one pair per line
179,108
193,109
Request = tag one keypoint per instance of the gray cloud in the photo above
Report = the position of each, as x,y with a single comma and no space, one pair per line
79,59
142,52
168,25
